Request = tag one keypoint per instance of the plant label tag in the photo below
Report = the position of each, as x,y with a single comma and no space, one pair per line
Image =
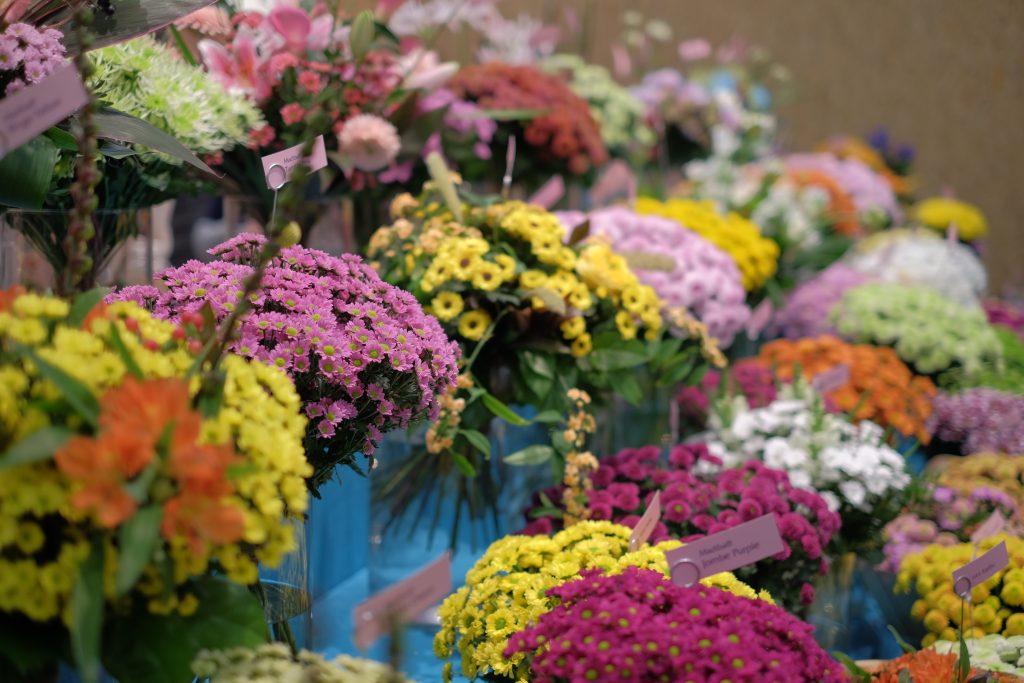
952,235
833,378
402,601
32,110
645,527
737,547
759,319
976,572
617,179
990,527
549,193
277,167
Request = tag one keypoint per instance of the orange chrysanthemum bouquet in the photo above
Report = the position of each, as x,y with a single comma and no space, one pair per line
878,387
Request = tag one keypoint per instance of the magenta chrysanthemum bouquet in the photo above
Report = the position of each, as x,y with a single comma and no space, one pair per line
640,627
698,498
980,421
746,378
364,356
687,271
1006,314
805,313
946,517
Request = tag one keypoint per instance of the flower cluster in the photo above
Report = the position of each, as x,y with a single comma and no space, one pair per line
563,136
923,665
921,259
695,504
701,120
620,116
871,196
849,466
890,161
980,421
996,653
700,278
879,386
579,464
511,252
998,602
225,483
756,256
147,79
746,377
638,626
508,589
466,127
943,213
1005,314
928,331
944,517
28,55
806,310
275,662
364,356
1006,376
998,471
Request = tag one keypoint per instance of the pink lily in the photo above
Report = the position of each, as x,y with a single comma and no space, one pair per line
239,66
298,30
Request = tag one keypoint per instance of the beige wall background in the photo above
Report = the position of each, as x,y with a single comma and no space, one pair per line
944,75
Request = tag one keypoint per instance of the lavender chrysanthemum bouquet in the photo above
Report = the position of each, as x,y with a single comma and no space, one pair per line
698,277
805,313
875,201
27,56
364,356
980,420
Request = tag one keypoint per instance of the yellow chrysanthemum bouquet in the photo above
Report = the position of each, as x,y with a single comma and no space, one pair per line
139,488
997,605
506,591
535,309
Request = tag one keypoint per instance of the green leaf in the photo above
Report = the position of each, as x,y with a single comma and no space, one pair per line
538,363
122,350
531,455
963,662
147,648
628,387
646,260
38,446
114,125
904,677
115,150
75,393
83,305
62,138
478,441
130,19
539,383
499,409
464,465
579,233
26,172
548,417
858,674
86,625
29,647
607,360
137,540
904,645
212,397
182,46
510,114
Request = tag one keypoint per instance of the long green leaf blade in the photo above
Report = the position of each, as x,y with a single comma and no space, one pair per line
137,540
87,616
38,446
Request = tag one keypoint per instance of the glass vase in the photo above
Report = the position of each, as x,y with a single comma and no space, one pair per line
32,254
830,613
285,594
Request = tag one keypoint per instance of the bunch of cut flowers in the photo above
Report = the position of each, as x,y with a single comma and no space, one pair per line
848,465
139,487
364,356
695,503
699,633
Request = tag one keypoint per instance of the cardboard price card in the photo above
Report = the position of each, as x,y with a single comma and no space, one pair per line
32,110
402,601
645,526
976,572
727,550
277,167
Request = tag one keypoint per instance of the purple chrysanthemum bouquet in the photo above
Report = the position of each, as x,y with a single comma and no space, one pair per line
699,498
27,56
686,271
364,356
639,627
805,313
980,421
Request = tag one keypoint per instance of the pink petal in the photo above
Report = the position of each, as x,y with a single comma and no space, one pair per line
219,61
292,24
320,33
